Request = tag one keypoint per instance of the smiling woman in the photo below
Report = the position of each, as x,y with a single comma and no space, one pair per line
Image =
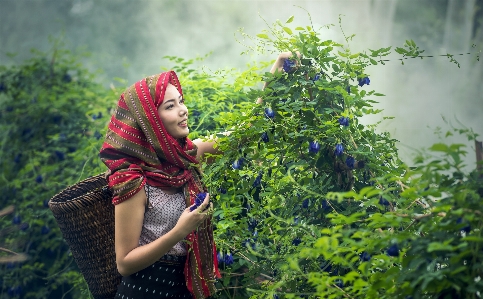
155,179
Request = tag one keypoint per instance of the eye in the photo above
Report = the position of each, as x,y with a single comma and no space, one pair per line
169,106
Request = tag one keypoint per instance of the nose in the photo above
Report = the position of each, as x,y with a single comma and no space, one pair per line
183,111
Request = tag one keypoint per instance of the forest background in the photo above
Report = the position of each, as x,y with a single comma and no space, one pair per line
124,47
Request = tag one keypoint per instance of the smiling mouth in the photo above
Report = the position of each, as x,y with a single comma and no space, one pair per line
183,123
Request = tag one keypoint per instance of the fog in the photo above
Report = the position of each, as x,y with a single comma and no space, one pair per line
128,39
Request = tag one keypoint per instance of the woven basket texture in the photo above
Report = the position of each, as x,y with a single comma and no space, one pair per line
85,215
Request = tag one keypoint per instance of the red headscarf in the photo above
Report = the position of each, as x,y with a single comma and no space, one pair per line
139,150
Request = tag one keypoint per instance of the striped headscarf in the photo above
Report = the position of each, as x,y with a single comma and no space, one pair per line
139,150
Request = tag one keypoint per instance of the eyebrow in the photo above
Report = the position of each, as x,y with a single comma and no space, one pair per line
171,100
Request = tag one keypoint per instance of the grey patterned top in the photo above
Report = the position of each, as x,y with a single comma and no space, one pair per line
161,216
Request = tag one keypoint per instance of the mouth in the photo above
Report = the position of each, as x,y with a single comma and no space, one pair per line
183,123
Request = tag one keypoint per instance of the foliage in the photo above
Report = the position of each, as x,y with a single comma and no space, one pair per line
52,119
312,203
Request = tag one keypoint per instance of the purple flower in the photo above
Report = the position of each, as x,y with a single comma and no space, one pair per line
265,137
39,179
393,250
316,77
222,190
350,162
269,113
296,241
314,147
339,149
344,121
365,256
364,80
305,204
228,259
288,65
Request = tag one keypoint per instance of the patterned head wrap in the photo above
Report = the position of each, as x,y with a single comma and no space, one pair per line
139,150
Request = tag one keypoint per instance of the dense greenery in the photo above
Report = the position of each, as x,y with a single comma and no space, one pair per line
309,201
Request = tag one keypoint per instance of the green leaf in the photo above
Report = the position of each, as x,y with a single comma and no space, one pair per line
288,30
289,20
263,35
439,147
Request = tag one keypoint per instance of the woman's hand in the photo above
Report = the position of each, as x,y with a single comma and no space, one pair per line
278,66
190,220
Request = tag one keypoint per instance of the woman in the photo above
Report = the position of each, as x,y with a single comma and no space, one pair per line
164,243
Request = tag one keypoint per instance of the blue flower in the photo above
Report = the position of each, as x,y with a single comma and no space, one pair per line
2,87
296,220
350,162
222,190
364,80
258,180
265,137
16,219
393,250
94,116
305,204
46,203
238,164
316,77
200,197
466,228
60,155
275,296
269,113
39,179
228,259
296,241
288,65
44,230
344,121
17,158
325,205
314,147
339,283
220,257
365,256
339,149
252,224
348,89
97,135
383,201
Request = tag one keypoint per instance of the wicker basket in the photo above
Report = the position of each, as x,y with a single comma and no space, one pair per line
85,215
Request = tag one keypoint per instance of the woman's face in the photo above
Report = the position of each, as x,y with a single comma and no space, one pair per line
173,113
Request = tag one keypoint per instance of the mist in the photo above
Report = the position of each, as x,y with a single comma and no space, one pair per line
128,40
